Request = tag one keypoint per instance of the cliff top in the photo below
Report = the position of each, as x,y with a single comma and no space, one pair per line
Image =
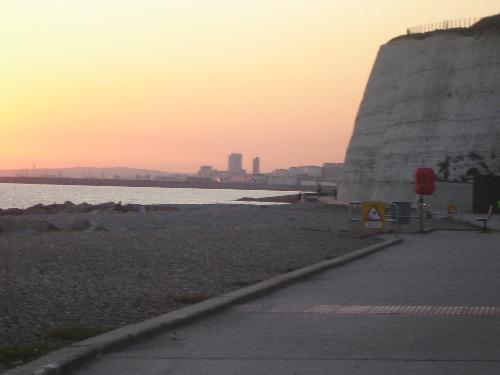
485,25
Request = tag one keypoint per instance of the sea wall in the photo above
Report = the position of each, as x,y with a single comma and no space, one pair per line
432,100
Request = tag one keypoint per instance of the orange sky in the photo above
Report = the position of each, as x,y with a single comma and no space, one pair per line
174,84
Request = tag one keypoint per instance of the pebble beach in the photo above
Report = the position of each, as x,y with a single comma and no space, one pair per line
142,264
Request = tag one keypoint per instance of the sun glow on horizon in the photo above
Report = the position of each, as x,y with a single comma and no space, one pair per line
172,85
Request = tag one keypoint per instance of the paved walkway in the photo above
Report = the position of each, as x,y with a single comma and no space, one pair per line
430,305
493,223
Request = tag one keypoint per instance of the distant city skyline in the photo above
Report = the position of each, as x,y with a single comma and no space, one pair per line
254,167
326,171
169,85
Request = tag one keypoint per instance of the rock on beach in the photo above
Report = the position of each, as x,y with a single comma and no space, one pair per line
26,225
71,208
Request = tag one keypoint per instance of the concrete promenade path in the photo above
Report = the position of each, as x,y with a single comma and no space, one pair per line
430,305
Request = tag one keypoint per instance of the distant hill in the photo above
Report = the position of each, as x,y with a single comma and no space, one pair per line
86,172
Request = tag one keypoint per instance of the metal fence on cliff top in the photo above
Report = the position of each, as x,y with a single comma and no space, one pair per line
444,25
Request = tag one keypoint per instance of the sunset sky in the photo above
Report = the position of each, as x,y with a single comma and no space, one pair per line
173,84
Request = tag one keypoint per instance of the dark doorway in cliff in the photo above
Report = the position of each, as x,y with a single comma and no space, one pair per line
486,192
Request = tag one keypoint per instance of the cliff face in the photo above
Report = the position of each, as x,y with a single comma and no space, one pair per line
431,101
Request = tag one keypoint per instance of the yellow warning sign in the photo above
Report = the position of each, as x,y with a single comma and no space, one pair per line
373,214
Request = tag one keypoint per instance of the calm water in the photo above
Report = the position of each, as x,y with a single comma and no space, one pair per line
22,196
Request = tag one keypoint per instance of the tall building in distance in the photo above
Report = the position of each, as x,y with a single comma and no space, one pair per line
235,162
256,165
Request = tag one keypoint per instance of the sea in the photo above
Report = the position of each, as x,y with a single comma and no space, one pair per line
27,195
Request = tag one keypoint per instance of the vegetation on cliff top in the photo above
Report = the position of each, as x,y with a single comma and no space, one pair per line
488,25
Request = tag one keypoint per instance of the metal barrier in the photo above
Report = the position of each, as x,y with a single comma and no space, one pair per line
397,215
444,25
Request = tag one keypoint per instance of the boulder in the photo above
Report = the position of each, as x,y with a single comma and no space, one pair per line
86,225
36,209
132,208
8,225
80,208
103,207
12,212
68,207
53,208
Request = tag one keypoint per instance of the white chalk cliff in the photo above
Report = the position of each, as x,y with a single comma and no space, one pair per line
432,100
